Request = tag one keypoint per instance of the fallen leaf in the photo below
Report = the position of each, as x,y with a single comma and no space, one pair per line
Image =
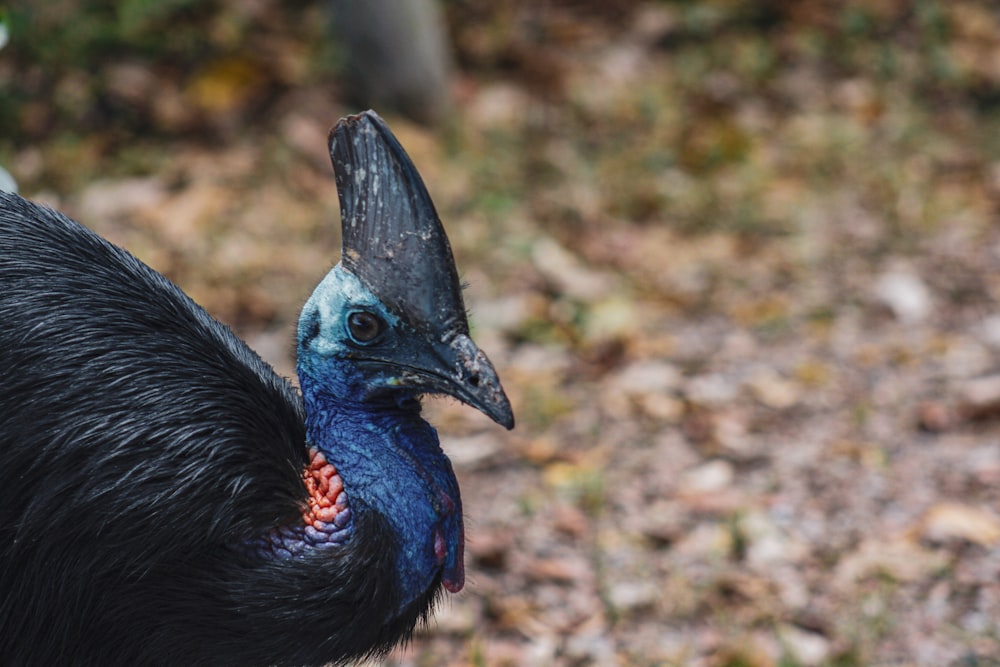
956,521
773,390
905,294
979,398
900,559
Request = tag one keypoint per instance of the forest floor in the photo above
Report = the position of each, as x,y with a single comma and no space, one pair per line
740,277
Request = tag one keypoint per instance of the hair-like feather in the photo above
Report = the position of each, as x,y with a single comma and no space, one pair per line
142,446
166,499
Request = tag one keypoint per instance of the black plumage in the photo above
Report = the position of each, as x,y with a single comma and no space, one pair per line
143,448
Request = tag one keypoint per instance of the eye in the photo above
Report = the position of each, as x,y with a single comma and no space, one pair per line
364,326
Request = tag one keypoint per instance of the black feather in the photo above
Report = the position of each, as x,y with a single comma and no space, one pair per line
124,516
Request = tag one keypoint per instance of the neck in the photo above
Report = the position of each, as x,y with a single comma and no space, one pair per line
391,463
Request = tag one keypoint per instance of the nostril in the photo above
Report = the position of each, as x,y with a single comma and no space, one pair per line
474,379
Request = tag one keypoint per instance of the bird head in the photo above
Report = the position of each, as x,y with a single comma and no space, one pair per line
393,305
386,325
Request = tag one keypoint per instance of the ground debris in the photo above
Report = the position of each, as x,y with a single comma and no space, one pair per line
736,266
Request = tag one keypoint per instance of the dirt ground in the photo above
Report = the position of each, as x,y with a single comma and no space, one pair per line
739,270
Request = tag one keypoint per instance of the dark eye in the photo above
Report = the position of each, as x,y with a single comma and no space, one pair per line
364,327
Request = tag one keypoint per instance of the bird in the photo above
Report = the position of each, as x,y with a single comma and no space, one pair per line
167,499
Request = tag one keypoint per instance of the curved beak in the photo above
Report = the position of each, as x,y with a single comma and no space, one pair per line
456,367
470,378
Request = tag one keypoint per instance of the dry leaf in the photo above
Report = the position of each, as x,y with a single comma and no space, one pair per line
950,521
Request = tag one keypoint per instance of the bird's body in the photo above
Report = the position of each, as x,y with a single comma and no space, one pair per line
165,498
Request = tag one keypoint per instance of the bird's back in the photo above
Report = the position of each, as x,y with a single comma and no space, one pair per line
140,440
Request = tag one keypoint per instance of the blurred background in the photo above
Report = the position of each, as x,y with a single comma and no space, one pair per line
738,264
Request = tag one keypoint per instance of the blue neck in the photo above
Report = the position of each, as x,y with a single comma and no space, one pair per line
391,462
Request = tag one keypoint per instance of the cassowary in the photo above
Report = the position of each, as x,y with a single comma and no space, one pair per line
166,499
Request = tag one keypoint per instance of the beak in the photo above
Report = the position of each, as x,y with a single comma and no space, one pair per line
395,244
456,367
480,386
460,369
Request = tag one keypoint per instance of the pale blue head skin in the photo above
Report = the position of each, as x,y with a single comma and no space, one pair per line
367,422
